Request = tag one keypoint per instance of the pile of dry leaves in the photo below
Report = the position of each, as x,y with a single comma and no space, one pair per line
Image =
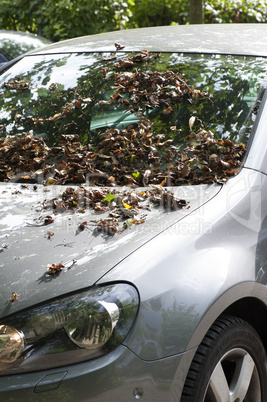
130,156
140,91
123,207
147,90
17,84
134,155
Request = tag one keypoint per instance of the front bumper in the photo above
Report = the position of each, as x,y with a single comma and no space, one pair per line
117,376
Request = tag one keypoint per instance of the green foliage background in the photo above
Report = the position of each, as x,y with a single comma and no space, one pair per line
62,19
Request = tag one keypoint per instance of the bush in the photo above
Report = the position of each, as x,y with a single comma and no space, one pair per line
146,13
62,19
167,12
235,11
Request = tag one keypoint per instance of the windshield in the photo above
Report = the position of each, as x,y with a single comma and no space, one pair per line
127,119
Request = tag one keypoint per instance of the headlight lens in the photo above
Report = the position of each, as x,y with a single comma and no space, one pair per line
11,344
68,330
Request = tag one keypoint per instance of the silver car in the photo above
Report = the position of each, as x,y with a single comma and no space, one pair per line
133,221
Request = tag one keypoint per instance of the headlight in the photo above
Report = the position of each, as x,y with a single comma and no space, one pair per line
68,330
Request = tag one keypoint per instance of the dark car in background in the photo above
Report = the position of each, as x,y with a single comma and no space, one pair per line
15,43
133,221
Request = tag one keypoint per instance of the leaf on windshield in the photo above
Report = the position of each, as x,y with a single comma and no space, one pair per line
121,158
17,84
192,121
132,155
147,90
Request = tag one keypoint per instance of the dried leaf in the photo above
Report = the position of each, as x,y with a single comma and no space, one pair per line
192,122
54,269
50,234
118,46
13,297
126,205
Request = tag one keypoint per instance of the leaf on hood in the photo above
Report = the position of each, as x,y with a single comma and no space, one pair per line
14,296
81,227
126,206
110,197
108,227
41,221
50,234
54,269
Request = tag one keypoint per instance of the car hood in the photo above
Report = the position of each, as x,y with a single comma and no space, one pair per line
32,239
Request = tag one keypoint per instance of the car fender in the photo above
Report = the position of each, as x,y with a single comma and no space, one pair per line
189,274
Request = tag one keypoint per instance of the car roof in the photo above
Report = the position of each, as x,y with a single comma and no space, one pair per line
240,39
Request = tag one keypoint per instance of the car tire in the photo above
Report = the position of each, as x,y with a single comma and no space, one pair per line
229,365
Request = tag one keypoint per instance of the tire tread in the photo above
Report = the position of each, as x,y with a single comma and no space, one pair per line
221,326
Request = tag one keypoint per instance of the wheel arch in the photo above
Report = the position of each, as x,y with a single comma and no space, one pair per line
254,312
247,301
251,306
227,345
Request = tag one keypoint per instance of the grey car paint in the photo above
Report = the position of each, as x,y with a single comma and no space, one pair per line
200,39
28,250
107,375
201,263
199,272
